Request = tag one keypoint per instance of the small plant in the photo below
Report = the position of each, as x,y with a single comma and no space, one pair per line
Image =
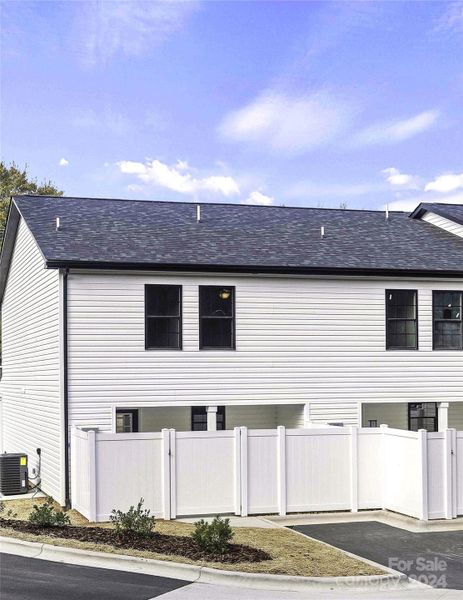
9,514
136,520
46,515
213,537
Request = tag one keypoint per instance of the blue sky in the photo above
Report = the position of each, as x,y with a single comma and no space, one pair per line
295,103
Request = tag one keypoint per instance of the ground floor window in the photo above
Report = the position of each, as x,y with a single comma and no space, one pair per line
199,418
126,420
422,415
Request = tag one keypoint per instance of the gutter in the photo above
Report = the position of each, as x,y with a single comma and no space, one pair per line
253,269
67,495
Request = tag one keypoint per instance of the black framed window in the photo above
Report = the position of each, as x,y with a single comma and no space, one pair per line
422,415
216,317
199,418
163,317
401,320
447,320
126,420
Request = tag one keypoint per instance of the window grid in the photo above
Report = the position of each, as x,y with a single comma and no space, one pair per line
216,318
199,418
163,325
401,319
447,320
126,421
422,415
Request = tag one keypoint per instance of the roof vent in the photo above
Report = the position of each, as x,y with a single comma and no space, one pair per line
322,232
58,224
198,213
387,212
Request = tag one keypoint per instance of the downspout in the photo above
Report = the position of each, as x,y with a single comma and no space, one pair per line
67,494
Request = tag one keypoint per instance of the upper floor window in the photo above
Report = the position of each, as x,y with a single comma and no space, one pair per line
401,320
447,321
163,316
216,317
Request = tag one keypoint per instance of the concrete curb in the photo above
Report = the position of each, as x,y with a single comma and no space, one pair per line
380,516
194,573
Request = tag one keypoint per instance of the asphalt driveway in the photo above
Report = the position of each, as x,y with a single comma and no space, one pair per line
434,558
30,578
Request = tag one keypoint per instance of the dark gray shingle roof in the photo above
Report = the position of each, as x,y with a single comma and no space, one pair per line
151,233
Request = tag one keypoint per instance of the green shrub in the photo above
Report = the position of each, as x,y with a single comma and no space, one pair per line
9,514
46,515
135,520
213,537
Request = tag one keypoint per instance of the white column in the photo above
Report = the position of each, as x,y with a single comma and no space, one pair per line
211,418
354,469
306,414
281,466
166,473
423,442
443,416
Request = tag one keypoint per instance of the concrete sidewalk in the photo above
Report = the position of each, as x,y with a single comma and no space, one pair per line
379,516
201,591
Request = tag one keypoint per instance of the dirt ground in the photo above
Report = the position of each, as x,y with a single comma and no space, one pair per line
291,553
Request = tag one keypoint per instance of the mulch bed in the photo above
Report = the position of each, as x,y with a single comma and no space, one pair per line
156,542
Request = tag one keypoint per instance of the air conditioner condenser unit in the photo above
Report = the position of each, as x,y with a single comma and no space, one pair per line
13,474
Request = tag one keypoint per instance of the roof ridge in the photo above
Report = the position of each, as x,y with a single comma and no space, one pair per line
442,204
196,202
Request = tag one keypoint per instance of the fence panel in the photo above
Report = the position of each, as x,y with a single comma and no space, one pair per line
261,470
128,467
459,469
81,468
402,472
204,472
370,474
437,478
318,469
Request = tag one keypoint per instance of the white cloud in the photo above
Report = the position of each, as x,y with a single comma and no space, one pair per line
257,197
127,27
286,123
445,183
396,131
452,18
409,204
312,189
182,165
178,179
401,180
63,162
106,120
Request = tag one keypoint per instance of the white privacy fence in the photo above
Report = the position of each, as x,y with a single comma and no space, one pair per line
268,471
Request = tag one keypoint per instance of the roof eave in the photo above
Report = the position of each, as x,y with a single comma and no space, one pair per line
418,212
251,269
424,208
9,239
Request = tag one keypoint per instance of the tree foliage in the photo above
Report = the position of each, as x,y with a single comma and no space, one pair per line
16,181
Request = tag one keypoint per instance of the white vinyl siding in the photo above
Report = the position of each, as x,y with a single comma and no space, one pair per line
253,417
156,419
30,386
456,415
443,223
394,414
320,341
